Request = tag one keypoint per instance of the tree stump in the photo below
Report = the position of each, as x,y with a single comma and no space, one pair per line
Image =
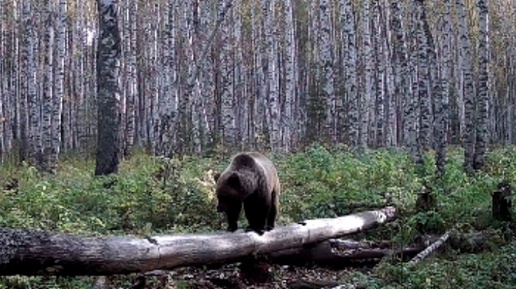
426,200
502,202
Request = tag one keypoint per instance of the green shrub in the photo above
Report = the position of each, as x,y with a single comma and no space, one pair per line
155,195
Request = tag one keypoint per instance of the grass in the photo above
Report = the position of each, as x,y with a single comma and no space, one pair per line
168,196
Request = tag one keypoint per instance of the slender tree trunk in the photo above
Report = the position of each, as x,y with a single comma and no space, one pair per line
368,62
468,89
482,133
351,65
228,128
30,104
48,87
327,62
291,77
423,38
108,64
273,75
402,77
379,87
442,96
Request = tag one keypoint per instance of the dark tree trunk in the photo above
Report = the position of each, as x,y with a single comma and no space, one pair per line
108,64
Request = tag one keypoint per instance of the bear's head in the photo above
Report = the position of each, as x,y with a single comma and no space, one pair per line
229,190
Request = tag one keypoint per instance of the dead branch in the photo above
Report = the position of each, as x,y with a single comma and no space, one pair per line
29,252
430,249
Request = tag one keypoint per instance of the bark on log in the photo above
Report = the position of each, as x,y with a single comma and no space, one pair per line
324,254
337,253
29,252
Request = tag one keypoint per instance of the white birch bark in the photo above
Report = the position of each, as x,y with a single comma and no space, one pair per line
228,128
482,133
108,143
467,90
291,77
368,60
33,116
413,105
327,61
425,104
207,74
12,96
443,95
57,104
379,87
273,75
257,122
131,80
392,99
351,65
168,102
48,89
195,100
401,72
4,82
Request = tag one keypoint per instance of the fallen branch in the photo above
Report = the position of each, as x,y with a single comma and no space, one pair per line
430,249
28,252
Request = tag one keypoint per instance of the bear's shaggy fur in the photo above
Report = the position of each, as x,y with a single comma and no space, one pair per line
252,180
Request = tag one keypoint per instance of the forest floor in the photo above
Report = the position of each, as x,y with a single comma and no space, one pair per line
164,196
283,277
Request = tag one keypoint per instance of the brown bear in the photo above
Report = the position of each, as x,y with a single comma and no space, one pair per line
250,179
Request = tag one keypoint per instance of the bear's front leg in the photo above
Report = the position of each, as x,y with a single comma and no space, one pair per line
232,214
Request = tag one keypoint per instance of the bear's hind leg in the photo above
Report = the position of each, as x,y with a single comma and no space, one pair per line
273,212
256,214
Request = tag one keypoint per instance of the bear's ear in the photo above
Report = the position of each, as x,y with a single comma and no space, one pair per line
216,176
234,179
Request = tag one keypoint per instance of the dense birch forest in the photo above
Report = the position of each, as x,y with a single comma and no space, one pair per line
197,76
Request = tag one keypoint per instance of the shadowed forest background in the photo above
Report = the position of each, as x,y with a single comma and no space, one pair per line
353,100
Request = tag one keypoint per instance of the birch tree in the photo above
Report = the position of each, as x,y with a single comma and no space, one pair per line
351,63
401,72
327,61
291,77
368,62
482,134
29,102
379,71
169,99
48,88
228,127
442,98
108,58
468,89
57,103
423,38
273,74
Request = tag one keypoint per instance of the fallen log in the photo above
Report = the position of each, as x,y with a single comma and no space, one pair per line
338,253
28,252
326,254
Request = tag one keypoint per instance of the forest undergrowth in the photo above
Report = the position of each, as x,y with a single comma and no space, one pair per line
153,195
